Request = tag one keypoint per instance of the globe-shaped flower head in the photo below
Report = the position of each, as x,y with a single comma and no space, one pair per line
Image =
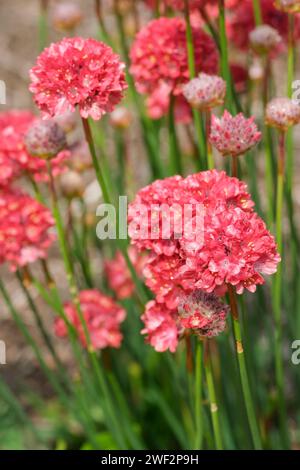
78,72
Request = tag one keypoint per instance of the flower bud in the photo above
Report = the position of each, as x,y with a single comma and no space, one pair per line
66,16
264,39
121,118
205,91
71,185
45,139
204,313
282,113
288,6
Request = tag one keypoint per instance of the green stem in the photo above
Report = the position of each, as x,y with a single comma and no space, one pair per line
248,400
277,294
257,12
213,400
210,157
198,397
174,151
225,69
43,33
201,146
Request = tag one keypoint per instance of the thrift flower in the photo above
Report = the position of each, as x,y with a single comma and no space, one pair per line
205,91
78,72
282,113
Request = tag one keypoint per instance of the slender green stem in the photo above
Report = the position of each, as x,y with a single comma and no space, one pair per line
257,12
277,294
248,400
174,151
291,67
210,156
213,404
122,244
198,396
43,33
192,69
102,27
225,69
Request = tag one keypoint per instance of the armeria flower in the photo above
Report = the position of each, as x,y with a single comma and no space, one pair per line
264,39
235,248
233,135
161,327
24,229
288,6
205,91
16,159
241,22
45,139
204,313
118,275
103,318
282,113
159,62
78,72
66,16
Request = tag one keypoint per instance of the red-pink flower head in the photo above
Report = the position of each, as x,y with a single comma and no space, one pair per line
13,154
235,247
204,313
78,72
103,318
118,275
233,135
288,6
205,91
24,229
241,22
161,327
159,62
282,113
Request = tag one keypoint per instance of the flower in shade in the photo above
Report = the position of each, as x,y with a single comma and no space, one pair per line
264,39
66,16
24,229
78,72
241,21
13,153
159,61
45,139
205,91
102,316
118,275
282,113
160,327
233,135
288,6
203,312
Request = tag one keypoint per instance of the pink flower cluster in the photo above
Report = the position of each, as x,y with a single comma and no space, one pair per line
103,318
14,158
159,62
236,247
78,72
24,229
118,275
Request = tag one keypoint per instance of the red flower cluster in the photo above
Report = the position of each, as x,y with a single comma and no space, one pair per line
118,275
235,248
159,62
78,72
14,158
24,229
102,316
241,22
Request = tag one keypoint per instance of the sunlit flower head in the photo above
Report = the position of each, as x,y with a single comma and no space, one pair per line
205,91
78,72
